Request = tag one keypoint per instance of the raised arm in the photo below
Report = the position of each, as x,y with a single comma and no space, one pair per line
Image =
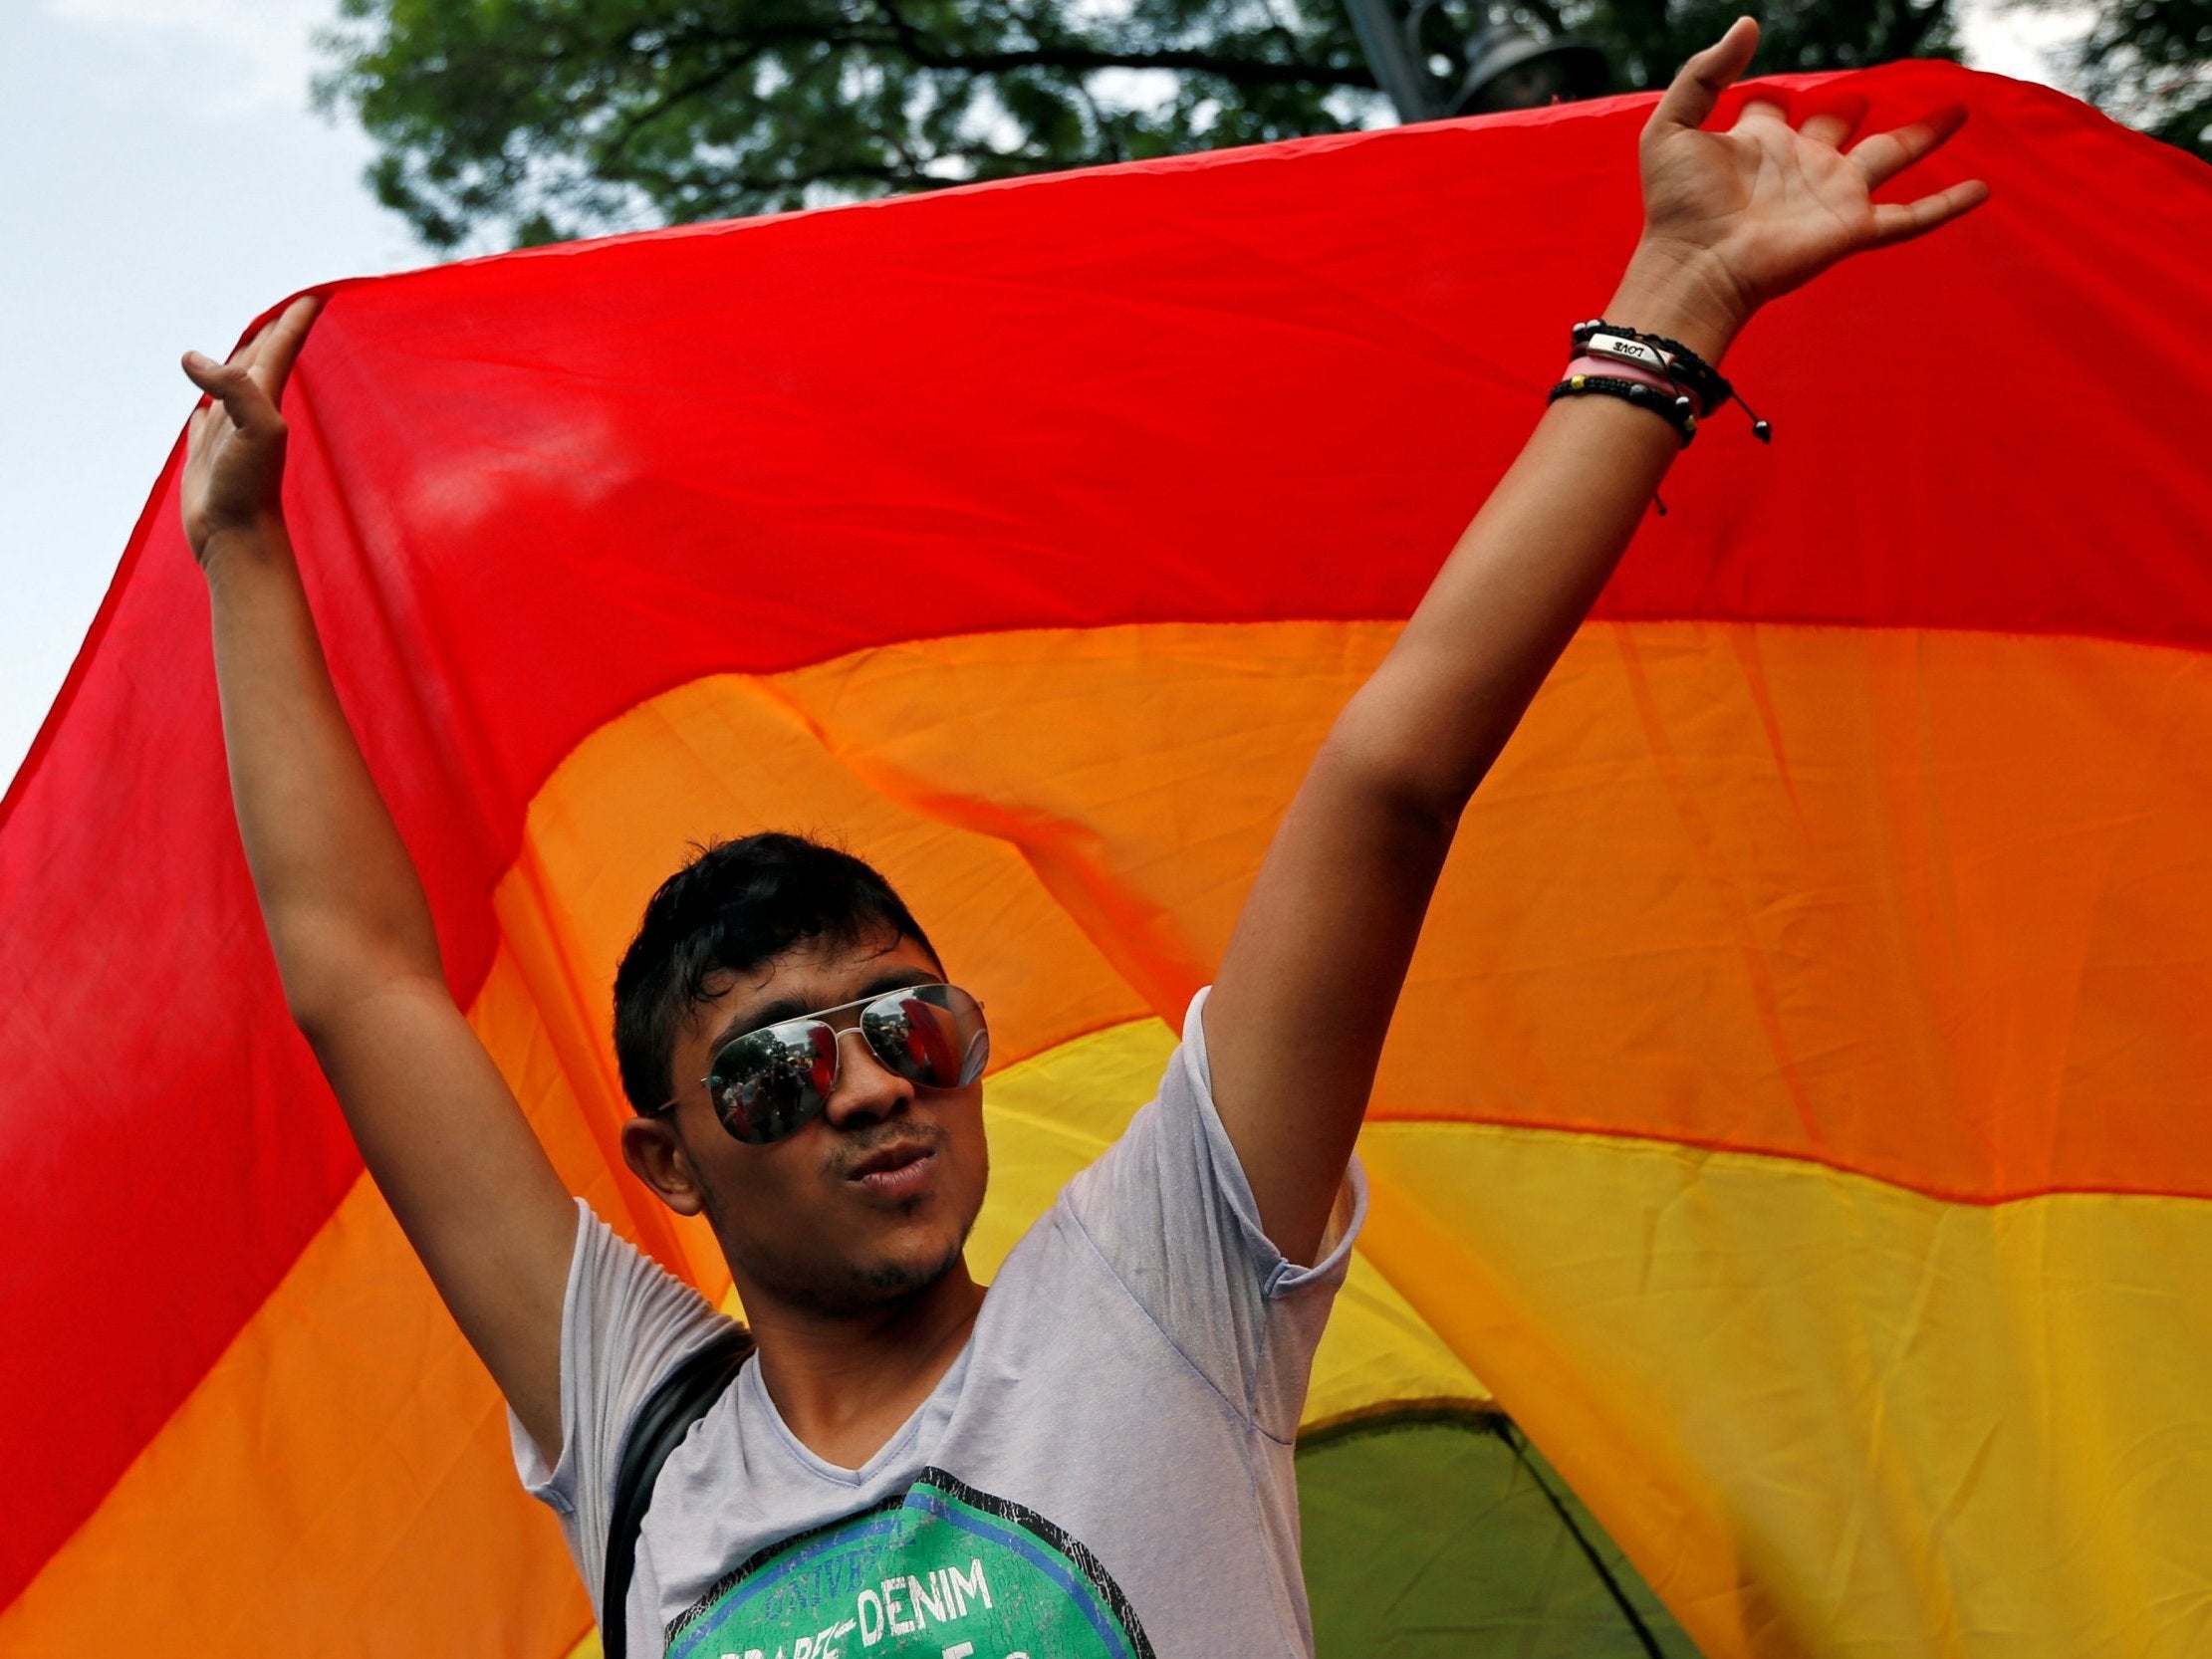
1306,991
353,935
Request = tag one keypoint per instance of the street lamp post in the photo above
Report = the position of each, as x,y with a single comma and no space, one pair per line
1431,67
1404,79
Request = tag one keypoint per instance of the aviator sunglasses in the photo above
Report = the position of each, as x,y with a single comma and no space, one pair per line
771,1082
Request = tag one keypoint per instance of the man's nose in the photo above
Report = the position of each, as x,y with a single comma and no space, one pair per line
865,1086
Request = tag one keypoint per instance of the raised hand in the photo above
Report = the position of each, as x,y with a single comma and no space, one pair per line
234,446
1750,213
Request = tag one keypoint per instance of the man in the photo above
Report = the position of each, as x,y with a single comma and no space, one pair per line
1094,1455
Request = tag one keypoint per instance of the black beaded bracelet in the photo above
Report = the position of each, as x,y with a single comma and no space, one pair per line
1679,363
1676,411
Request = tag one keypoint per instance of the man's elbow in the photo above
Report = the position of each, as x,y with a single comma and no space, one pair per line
1423,771
327,973
1412,792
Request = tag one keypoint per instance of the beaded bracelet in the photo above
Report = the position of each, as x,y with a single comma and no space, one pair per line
1681,366
1674,410
1620,371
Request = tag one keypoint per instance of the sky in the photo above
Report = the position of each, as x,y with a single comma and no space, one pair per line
165,180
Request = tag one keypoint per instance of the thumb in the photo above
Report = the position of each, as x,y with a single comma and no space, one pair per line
1697,85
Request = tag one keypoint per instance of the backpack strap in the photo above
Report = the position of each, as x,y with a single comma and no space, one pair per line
665,1418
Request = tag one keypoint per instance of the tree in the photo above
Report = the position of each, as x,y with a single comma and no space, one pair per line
2150,63
530,120
547,118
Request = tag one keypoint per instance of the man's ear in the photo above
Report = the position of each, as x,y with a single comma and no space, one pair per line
656,1156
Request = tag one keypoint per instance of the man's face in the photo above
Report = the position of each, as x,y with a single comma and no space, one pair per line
868,1202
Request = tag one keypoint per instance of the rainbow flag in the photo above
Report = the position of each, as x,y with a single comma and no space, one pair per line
1800,1116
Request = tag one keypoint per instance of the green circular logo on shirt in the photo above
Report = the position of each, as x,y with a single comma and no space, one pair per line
943,1571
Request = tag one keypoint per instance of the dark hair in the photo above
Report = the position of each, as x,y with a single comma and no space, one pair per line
733,906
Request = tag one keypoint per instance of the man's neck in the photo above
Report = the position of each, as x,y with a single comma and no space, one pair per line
845,1383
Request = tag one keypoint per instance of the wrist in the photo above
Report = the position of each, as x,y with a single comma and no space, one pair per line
237,540
1683,294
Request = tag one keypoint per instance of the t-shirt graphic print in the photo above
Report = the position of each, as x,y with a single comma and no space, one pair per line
1104,1468
943,1571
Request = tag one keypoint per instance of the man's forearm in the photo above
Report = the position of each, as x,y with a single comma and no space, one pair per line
1441,706
342,901
435,1122
1312,974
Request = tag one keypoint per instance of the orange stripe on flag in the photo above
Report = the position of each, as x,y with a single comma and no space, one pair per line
339,1483
1922,905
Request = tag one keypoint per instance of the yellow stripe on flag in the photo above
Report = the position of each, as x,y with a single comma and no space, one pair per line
1822,1413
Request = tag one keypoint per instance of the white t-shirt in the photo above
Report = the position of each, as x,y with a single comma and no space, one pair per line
1105,1470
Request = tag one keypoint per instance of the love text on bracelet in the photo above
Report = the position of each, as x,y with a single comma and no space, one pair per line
1634,356
1681,367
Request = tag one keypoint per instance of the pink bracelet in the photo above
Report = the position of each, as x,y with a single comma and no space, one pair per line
1620,371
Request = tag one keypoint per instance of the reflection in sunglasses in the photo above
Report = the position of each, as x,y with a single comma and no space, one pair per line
768,1083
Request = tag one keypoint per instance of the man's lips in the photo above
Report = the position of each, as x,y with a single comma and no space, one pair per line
887,1159
902,1170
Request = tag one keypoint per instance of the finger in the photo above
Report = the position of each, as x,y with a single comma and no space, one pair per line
279,343
1690,98
1833,124
1886,154
1902,221
247,354
1763,107
232,385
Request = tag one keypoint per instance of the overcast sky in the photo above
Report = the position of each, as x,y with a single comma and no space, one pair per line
165,180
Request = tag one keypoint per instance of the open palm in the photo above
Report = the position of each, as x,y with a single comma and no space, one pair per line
1765,206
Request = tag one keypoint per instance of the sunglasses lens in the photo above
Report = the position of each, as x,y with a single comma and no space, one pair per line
931,1035
768,1082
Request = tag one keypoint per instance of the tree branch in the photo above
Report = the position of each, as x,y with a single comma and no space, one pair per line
1248,71
928,54
749,50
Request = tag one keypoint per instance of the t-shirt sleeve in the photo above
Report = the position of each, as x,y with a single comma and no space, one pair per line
626,1323
1170,1210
